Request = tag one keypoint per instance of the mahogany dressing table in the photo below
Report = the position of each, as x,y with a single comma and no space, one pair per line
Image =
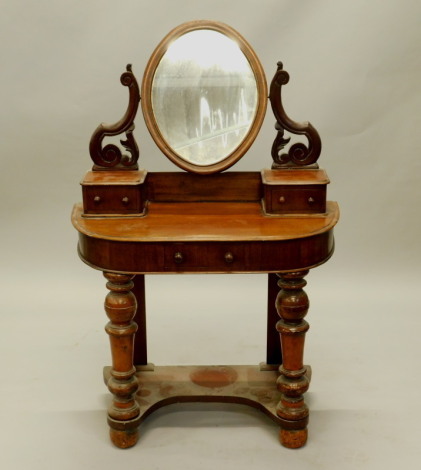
204,98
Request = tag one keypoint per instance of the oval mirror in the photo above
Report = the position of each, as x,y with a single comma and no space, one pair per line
204,96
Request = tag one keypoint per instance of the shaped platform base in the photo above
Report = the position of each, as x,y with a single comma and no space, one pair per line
248,385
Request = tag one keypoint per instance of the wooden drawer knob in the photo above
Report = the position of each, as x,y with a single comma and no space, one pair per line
229,257
178,257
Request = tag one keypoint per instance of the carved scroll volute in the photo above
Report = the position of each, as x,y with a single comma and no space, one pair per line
110,156
298,155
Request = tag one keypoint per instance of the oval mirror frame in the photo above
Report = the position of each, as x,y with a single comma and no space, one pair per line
146,96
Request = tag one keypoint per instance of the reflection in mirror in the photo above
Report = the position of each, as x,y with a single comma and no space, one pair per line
204,96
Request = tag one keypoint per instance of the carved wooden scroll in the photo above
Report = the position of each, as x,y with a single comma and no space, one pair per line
298,155
110,156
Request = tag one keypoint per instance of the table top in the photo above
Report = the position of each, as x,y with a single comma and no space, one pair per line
206,221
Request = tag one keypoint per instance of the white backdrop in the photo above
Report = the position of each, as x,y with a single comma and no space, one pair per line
355,70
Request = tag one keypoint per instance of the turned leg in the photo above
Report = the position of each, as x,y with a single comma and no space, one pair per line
120,306
292,305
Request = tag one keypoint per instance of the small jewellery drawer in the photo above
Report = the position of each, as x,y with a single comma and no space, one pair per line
111,199
118,192
294,191
211,257
293,200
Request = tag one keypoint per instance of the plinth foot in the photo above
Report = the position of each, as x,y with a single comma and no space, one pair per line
124,439
293,439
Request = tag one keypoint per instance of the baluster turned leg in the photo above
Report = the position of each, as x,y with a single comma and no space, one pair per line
292,305
120,306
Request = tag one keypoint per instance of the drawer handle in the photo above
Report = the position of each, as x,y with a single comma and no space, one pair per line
282,199
178,257
311,200
125,200
229,257
97,199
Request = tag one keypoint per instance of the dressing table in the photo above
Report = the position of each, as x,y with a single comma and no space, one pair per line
204,97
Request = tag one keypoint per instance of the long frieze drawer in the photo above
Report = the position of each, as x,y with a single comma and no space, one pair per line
212,257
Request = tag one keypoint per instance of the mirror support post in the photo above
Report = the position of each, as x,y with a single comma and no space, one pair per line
110,156
298,155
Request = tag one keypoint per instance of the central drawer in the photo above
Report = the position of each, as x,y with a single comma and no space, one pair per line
212,257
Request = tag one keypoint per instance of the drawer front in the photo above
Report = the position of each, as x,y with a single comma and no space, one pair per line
111,199
284,200
269,256
211,257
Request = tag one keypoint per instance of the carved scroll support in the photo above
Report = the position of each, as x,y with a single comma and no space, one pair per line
299,155
292,305
123,414
110,156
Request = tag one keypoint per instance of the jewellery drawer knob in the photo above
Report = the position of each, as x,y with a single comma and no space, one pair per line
178,257
229,257
311,200
97,199
125,200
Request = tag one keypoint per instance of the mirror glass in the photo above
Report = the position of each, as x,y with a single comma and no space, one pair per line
204,96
